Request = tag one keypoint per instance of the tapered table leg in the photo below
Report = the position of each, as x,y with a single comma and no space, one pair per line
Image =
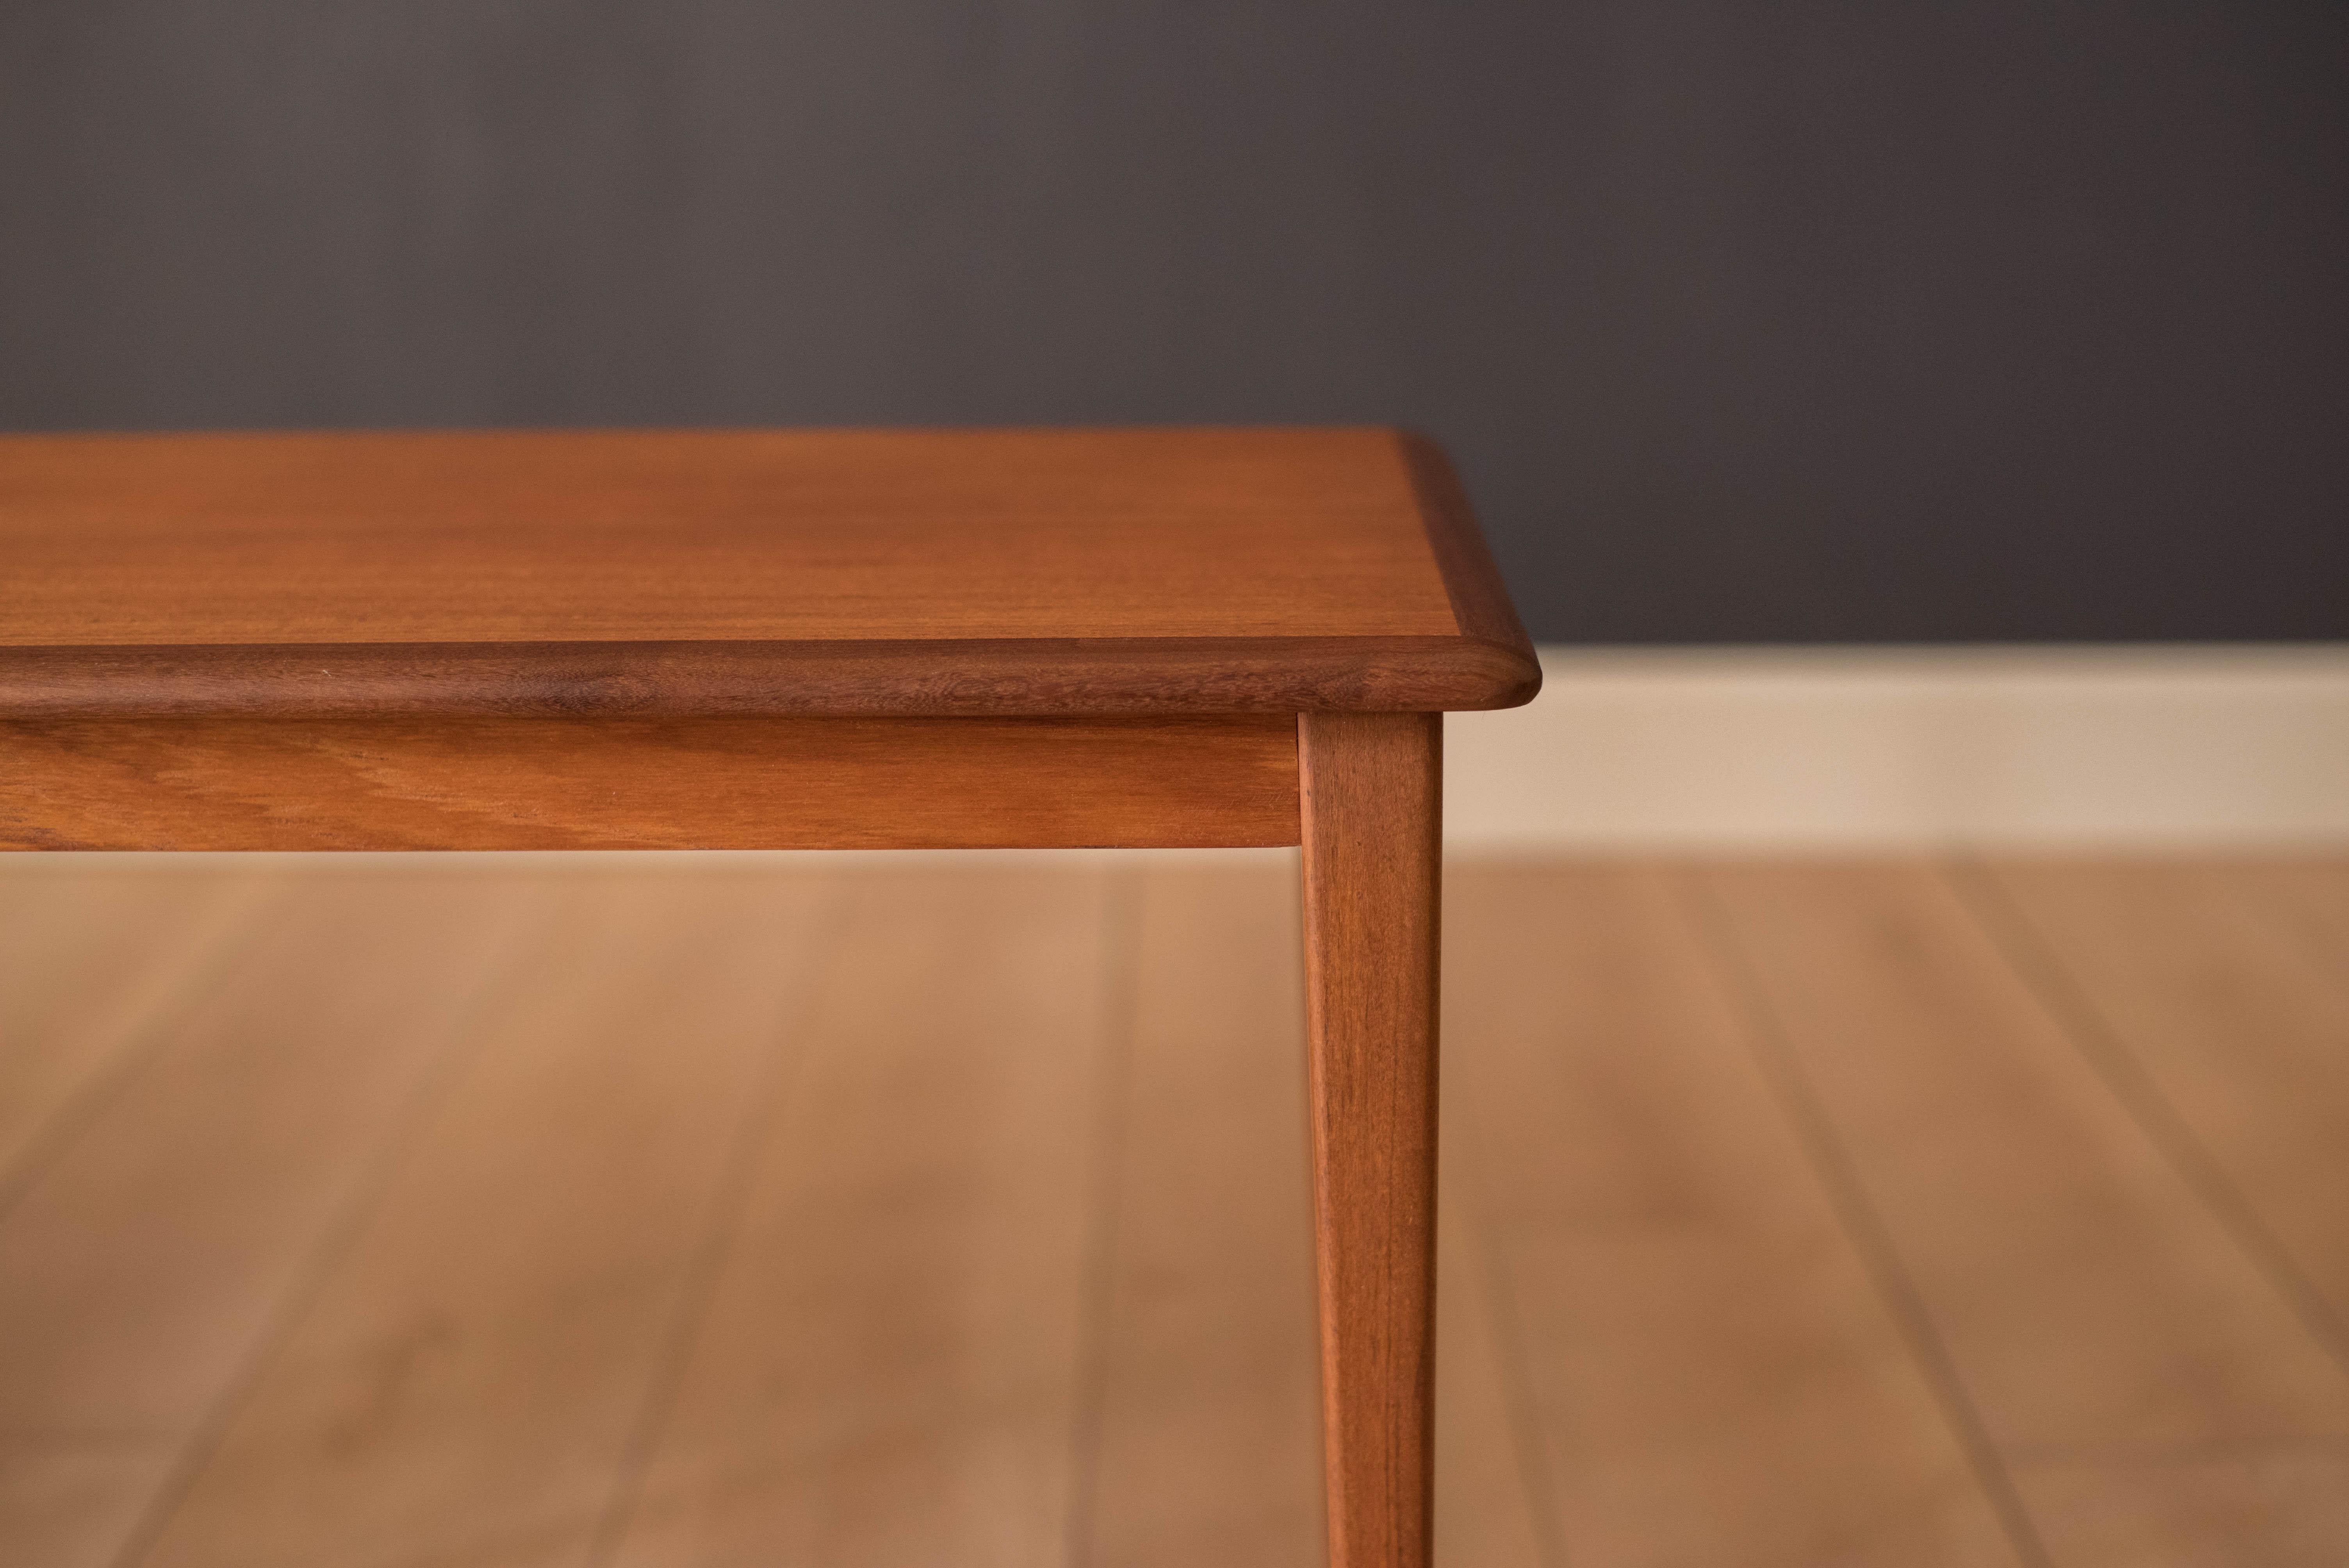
1371,787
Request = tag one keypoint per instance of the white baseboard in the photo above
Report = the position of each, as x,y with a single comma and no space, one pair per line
2151,747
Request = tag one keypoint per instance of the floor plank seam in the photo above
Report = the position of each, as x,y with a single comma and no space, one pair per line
2138,1418
1528,1441
2177,1453
1870,1235
2092,1035
465,1048
1121,997
770,1102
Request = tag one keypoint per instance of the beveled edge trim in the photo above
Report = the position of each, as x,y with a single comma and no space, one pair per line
1480,599
947,677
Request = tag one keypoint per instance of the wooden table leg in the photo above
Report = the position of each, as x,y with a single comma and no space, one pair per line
1372,790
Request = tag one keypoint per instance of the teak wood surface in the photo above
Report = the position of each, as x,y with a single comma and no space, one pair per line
696,573
816,639
1373,817
621,782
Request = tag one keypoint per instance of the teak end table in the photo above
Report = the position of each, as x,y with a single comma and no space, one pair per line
816,640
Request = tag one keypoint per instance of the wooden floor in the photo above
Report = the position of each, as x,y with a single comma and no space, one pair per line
647,1214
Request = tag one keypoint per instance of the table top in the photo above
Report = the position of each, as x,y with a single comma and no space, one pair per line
802,572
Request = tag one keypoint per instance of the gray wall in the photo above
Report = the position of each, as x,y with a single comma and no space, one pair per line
2011,319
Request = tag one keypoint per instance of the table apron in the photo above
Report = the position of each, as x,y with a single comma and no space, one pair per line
241,782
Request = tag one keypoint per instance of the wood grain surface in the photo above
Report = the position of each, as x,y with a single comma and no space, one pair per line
238,783
838,572
1373,789
409,1407
1205,1412
1710,1373
2114,1338
168,1240
990,678
1018,1199
99,972
2231,1034
888,1363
